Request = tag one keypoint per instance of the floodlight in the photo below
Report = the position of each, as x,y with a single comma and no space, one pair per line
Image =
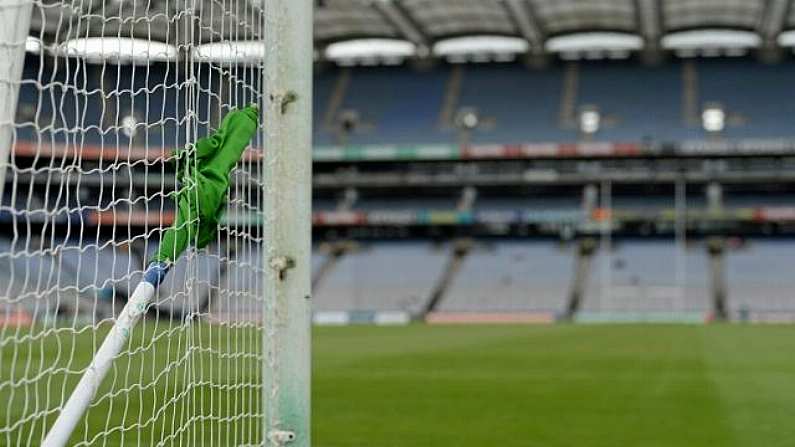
713,118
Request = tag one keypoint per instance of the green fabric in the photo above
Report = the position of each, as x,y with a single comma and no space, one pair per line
203,172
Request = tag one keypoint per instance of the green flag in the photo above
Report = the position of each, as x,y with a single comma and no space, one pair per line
203,173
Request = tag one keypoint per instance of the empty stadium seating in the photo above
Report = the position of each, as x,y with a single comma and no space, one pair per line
521,105
635,102
67,282
512,276
639,279
382,277
760,279
516,105
399,105
648,277
67,102
758,98
395,110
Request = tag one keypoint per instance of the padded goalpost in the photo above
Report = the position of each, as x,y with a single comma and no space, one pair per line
105,105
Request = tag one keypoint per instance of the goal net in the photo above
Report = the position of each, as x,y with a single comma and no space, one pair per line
94,99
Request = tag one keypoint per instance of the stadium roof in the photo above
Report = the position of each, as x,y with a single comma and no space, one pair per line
456,29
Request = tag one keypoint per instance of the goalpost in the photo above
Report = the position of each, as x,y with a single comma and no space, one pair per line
103,108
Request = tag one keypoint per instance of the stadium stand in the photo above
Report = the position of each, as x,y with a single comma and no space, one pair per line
755,96
394,105
649,277
324,87
538,203
401,106
519,105
512,276
382,277
760,279
636,102
153,96
401,204
515,104
745,200
47,282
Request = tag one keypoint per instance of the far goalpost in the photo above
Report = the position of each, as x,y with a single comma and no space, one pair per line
155,222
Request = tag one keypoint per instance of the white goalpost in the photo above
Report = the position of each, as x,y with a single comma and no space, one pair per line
15,21
288,224
104,106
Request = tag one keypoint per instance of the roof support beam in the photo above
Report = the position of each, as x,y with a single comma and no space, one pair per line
650,24
399,18
522,14
771,25
773,18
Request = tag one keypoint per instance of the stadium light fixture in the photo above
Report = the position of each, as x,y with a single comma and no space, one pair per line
370,51
33,45
230,53
787,39
594,45
129,126
590,120
713,118
468,119
122,51
480,48
711,43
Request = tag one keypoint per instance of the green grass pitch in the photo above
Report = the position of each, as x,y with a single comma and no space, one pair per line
464,386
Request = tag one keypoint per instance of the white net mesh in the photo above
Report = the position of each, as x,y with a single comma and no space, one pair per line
108,89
